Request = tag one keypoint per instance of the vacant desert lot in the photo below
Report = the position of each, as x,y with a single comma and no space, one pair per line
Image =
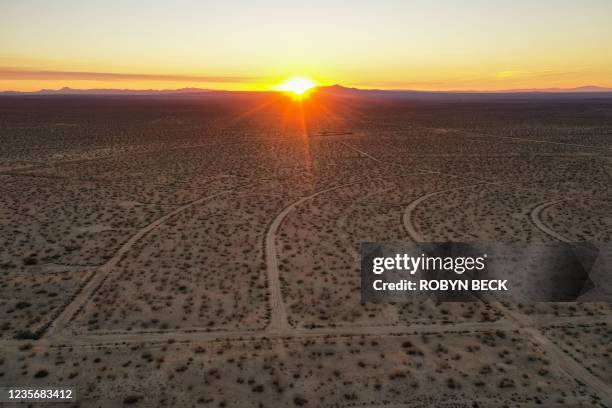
203,250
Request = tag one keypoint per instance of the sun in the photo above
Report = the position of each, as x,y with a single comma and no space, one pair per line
298,87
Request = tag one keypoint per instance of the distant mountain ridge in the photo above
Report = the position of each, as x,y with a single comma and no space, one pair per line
587,88
581,89
110,91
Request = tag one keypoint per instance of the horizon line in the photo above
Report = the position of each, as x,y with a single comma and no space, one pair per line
186,90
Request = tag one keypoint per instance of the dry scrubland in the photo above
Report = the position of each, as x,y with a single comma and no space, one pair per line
203,250
188,273
499,368
591,344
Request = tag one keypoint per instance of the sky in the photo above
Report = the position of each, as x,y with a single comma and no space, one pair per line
252,45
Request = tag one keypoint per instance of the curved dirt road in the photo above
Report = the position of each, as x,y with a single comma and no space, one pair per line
407,216
55,329
278,314
536,218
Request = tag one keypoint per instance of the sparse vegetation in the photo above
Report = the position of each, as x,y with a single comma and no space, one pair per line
166,205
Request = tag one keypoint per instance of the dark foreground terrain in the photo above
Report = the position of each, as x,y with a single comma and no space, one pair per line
203,250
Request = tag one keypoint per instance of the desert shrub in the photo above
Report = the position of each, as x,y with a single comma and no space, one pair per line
131,399
41,373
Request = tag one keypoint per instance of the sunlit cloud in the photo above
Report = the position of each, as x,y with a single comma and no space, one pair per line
30,74
511,74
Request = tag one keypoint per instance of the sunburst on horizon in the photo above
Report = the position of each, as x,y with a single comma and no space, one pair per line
299,87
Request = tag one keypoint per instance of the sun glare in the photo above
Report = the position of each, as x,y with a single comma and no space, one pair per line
298,87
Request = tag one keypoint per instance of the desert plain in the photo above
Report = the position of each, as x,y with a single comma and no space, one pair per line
203,250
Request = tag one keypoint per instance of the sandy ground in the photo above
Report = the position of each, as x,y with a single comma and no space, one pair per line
185,253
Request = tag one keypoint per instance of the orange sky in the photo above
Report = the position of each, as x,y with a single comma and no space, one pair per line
434,45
